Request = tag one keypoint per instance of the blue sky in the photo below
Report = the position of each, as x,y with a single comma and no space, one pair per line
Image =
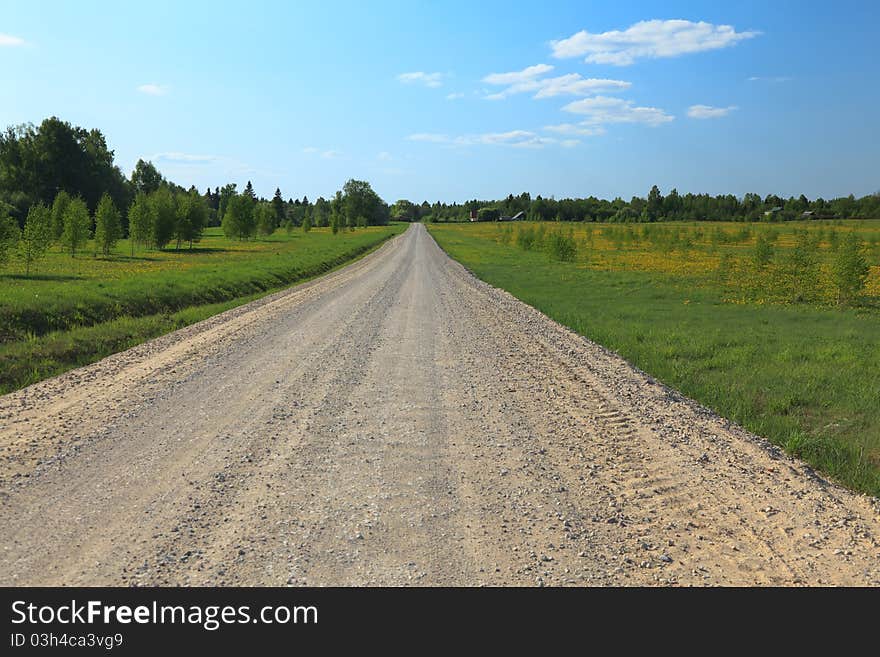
458,100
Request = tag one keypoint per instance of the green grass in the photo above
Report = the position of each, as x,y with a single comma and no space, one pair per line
807,377
73,311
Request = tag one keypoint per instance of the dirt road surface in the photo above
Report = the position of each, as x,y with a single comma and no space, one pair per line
400,423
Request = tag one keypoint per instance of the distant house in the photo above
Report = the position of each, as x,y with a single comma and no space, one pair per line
809,214
474,215
519,216
772,211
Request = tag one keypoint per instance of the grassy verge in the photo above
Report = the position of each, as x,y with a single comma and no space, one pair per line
807,377
64,292
225,283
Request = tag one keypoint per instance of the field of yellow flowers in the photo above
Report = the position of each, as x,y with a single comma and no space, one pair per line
717,255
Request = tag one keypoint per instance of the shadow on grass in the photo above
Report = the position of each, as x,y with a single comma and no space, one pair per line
127,258
145,257
197,250
41,277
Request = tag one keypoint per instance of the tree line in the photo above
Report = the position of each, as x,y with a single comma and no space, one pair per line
154,220
244,215
654,207
60,186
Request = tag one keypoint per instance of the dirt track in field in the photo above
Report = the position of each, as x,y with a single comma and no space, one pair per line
400,423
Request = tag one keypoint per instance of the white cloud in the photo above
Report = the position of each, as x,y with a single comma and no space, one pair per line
648,40
579,129
454,96
709,112
529,81
330,154
574,85
420,77
517,138
7,40
601,110
310,150
153,89
518,77
384,156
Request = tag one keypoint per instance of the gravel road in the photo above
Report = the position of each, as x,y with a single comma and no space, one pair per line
399,422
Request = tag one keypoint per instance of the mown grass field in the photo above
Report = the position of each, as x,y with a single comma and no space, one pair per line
696,311
73,311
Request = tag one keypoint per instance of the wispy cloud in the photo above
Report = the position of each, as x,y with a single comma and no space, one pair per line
778,78
180,165
153,89
517,138
709,112
454,96
512,138
601,110
176,157
573,85
420,77
518,77
432,137
529,80
579,129
9,41
324,153
648,40
384,156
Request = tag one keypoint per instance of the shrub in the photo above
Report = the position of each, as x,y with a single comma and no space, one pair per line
562,247
803,269
525,238
850,270
763,253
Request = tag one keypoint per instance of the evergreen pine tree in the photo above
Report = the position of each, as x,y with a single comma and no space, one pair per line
249,192
278,206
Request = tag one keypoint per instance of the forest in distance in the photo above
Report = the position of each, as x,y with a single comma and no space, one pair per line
37,163
654,207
